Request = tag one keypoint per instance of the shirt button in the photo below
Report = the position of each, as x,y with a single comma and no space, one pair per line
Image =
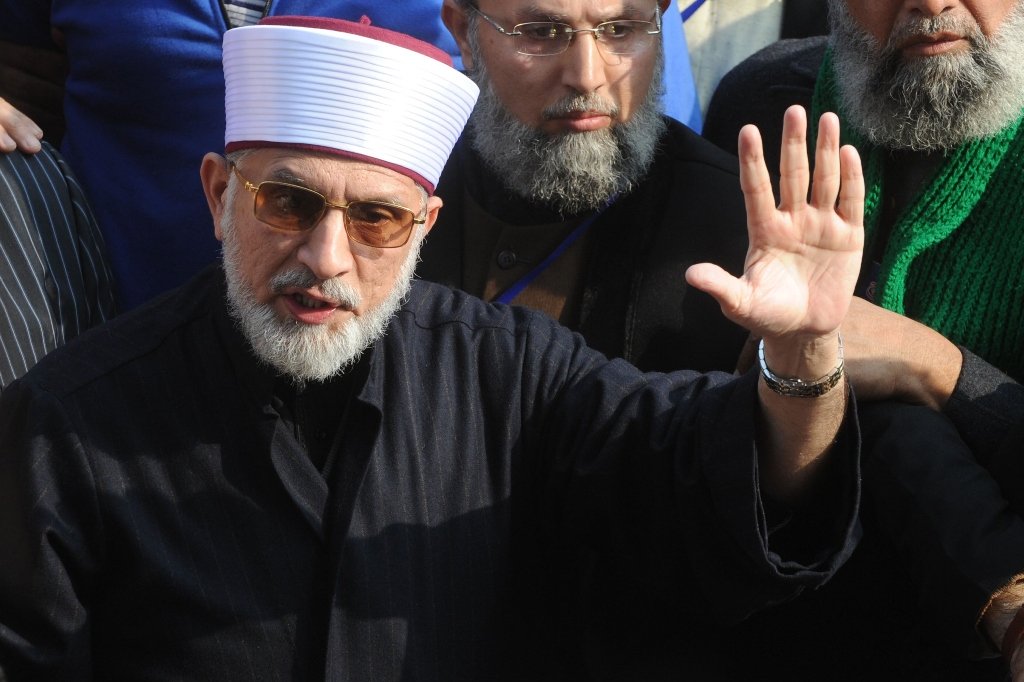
507,259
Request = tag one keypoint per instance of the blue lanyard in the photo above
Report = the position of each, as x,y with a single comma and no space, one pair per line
514,290
693,7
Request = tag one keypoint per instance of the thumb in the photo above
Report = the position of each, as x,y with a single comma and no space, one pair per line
715,281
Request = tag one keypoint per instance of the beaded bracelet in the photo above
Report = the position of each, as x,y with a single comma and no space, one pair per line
798,388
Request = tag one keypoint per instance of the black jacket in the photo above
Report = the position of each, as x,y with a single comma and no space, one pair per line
636,302
760,88
160,518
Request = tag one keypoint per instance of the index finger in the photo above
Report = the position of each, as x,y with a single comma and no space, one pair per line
754,178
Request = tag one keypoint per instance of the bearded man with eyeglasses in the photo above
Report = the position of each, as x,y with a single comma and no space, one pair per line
571,192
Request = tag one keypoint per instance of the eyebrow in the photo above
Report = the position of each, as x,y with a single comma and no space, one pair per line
536,12
286,175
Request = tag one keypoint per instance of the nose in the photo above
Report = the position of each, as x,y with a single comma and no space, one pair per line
584,65
928,8
327,251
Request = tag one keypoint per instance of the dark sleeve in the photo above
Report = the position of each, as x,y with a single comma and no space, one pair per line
57,281
987,407
32,66
47,566
90,281
944,514
26,22
748,552
661,474
32,81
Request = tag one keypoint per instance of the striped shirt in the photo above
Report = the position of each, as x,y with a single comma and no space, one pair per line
54,279
244,12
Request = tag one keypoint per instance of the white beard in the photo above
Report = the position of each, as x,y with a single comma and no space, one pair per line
300,351
572,172
929,103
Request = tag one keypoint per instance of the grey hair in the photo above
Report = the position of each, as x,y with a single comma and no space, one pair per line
932,104
569,173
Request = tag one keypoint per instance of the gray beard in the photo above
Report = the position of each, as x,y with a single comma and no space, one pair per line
573,172
929,103
308,352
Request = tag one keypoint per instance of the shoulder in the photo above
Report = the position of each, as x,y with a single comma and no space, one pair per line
446,342
793,62
437,308
41,189
683,148
758,89
691,183
690,196
442,324
689,170
47,166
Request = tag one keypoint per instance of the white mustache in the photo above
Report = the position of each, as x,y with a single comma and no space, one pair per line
916,28
579,103
335,290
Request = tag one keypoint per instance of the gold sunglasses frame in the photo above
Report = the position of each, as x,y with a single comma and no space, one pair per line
328,204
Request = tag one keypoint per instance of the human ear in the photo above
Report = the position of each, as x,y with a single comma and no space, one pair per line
434,205
214,175
454,17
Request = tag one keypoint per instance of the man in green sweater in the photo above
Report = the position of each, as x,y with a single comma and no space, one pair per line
932,93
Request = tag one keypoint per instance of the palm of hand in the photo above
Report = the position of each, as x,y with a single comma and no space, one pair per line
799,274
804,254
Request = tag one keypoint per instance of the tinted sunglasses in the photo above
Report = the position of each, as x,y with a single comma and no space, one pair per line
293,208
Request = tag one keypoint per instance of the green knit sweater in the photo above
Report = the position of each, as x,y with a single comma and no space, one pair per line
955,256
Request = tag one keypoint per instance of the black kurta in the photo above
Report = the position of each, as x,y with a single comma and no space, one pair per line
635,302
160,520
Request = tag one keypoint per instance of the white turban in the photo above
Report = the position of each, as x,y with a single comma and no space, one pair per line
345,88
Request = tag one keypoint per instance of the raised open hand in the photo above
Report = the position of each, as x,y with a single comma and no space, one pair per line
804,254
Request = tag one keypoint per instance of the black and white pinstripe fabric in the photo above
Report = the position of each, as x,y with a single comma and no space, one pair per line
54,279
244,12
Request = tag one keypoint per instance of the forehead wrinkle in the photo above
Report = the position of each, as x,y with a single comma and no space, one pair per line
391,192
391,188
635,10
535,11
389,199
